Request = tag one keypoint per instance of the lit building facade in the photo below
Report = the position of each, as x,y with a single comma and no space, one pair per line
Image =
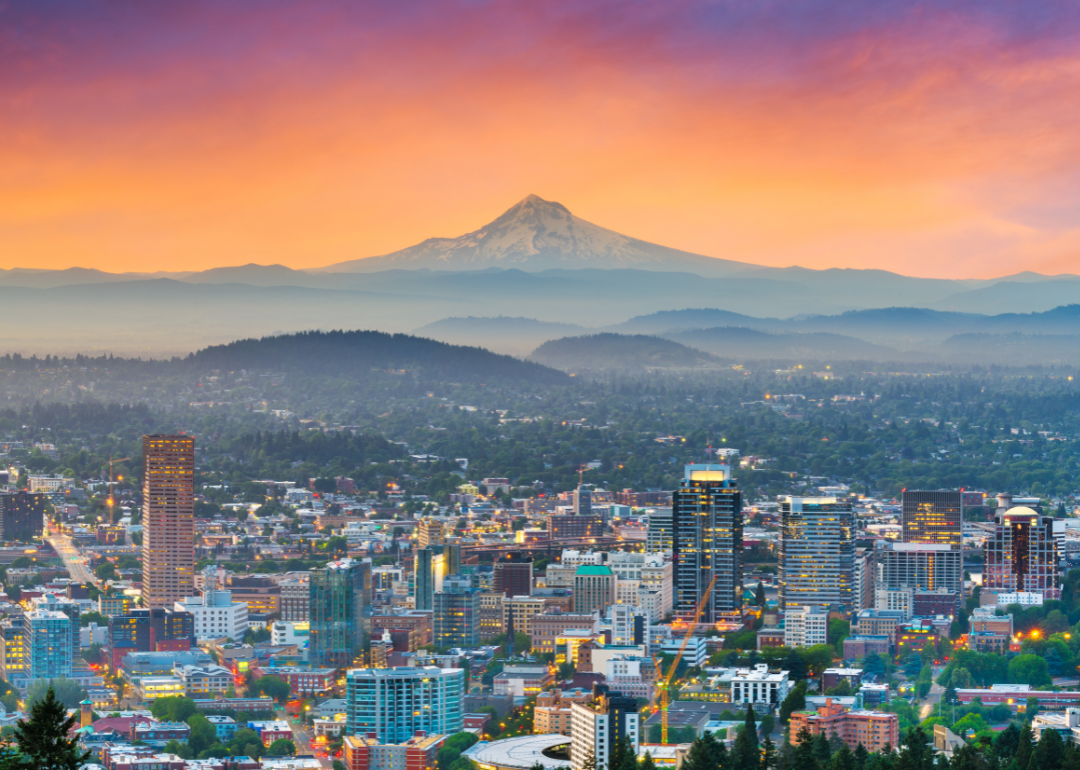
1023,553
339,606
395,703
168,550
933,516
457,615
707,542
817,552
22,516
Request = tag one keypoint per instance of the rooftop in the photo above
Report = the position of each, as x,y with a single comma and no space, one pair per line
594,570
520,753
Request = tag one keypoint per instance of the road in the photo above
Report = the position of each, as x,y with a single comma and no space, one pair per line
73,559
931,701
302,738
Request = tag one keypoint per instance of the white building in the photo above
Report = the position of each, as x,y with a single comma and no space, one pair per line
806,626
1023,598
623,674
296,632
622,619
759,686
596,727
204,681
695,654
216,615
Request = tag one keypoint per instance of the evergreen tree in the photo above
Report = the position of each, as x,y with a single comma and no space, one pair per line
590,762
861,755
768,754
759,595
1006,742
794,664
647,762
795,701
44,739
835,743
803,755
1025,747
822,750
842,758
915,754
745,755
1049,753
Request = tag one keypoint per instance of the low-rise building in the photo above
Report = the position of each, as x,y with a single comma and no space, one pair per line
150,688
551,716
205,681
417,753
271,730
522,681
806,626
858,647
760,686
873,729
225,727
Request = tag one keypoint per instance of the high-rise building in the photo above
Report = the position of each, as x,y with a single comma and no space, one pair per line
594,589
457,614
583,502
658,537
596,726
168,549
22,516
1023,553
806,626
817,552
55,603
514,575
339,606
920,567
707,541
424,580
14,652
155,630
48,639
935,517
395,703
865,575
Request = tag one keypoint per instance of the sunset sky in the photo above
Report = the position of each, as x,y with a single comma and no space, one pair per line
934,139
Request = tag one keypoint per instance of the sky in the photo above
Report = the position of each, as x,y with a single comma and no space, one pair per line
927,138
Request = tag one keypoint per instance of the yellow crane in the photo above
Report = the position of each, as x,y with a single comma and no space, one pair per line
665,681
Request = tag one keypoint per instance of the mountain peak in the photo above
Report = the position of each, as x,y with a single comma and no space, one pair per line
536,234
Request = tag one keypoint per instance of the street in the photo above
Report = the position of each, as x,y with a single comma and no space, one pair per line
73,559
302,738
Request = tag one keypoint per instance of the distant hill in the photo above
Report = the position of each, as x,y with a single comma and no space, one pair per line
691,318
362,351
741,343
502,334
1013,349
618,351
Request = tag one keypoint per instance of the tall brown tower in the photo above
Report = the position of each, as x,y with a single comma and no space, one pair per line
168,549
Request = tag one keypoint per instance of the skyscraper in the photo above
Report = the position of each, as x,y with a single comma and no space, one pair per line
707,541
394,703
48,636
457,614
424,580
1023,553
583,502
168,489
22,516
921,567
934,517
339,605
817,553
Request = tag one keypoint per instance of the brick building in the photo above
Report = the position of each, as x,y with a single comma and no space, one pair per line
873,729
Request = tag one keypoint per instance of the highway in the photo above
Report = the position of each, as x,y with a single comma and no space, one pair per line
73,559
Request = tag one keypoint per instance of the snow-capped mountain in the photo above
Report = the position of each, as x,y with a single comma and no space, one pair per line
536,234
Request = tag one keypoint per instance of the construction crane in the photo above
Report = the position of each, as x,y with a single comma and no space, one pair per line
665,682
111,482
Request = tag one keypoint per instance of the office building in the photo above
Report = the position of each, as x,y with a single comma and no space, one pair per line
583,502
514,575
865,576
806,626
259,592
156,630
22,516
573,527
707,542
457,614
596,726
13,652
1023,553
48,638
393,704
295,595
55,603
594,589
933,517
817,553
339,606
424,580
168,549
430,532
627,625
519,611
658,536
756,685
920,567
216,615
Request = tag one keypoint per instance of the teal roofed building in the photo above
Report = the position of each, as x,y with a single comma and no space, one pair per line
594,589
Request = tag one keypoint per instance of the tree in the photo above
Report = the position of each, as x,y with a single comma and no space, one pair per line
44,739
745,753
794,664
203,734
647,762
759,595
915,754
282,747
273,686
1049,751
67,691
1029,669
795,701
182,750
1025,746
590,762
842,758
175,708
873,664
93,617
803,755
105,571
768,751
912,666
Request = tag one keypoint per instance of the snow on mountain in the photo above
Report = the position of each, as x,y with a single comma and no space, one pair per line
536,234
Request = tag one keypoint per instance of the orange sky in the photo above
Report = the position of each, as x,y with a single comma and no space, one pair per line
934,139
